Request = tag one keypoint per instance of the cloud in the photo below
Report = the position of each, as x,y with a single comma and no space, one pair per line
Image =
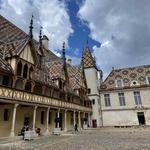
74,60
51,14
123,28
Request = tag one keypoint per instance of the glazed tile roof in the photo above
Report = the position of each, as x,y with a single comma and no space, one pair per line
4,66
88,60
55,69
13,40
50,56
128,76
43,77
76,77
11,37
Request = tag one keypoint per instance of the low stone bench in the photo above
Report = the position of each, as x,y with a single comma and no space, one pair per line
85,127
29,135
56,131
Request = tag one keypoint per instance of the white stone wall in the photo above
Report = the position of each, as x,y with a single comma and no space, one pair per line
92,83
91,75
125,115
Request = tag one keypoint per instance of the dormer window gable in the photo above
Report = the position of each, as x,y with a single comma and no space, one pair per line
119,83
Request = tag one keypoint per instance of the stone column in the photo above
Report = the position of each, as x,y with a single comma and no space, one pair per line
47,119
13,121
34,117
14,82
58,117
32,86
83,118
65,128
74,118
24,84
28,71
22,69
79,120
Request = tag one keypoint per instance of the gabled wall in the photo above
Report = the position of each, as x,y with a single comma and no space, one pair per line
27,55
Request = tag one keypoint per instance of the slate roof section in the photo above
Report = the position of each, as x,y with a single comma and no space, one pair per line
128,75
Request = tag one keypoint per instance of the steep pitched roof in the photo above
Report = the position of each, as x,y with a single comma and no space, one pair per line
56,70
11,37
76,77
17,39
4,66
43,76
50,56
128,75
87,58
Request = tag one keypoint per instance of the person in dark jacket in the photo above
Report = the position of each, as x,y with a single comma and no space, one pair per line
76,127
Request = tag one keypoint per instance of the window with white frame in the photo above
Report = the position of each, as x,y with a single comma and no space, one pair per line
107,100
121,99
137,98
119,83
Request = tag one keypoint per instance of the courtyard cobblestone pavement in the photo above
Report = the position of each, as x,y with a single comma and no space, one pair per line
99,139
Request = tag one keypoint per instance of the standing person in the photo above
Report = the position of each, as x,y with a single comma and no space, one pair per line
76,127
23,131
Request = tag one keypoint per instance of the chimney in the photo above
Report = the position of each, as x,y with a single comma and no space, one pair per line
45,41
69,61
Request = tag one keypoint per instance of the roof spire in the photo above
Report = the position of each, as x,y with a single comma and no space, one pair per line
31,28
64,52
40,37
87,42
64,62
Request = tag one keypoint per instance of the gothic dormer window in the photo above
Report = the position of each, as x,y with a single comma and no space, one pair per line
19,68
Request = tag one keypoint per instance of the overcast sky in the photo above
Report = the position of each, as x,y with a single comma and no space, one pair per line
119,30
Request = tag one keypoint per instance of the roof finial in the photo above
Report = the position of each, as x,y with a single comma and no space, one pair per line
31,27
40,37
87,42
64,51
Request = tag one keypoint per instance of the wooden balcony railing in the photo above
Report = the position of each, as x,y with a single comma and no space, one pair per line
22,96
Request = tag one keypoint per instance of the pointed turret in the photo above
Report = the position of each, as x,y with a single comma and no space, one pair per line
31,28
87,58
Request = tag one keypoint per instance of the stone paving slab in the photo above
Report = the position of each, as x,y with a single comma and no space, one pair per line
99,139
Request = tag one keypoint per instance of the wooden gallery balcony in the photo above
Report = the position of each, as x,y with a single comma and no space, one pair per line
11,95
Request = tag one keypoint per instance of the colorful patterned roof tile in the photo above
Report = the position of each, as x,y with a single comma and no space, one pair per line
4,65
128,76
76,78
88,60
56,70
